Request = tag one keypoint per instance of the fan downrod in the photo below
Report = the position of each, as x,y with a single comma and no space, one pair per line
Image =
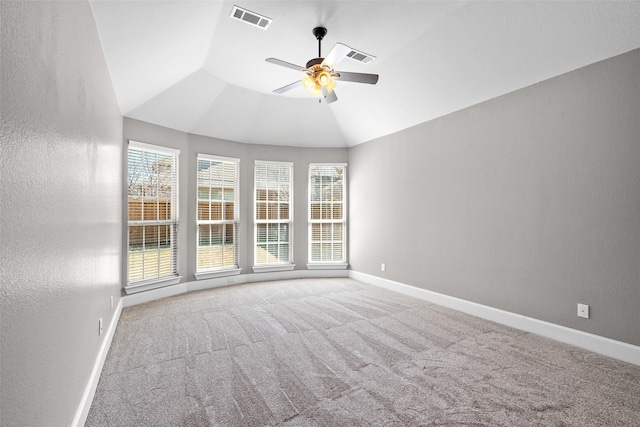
319,32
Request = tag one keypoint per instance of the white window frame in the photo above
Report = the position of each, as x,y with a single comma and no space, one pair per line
172,278
332,264
280,266
224,270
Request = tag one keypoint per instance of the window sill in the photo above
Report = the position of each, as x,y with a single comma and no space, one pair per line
151,284
328,266
218,273
273,267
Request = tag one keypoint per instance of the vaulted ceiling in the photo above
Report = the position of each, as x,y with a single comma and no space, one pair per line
187,65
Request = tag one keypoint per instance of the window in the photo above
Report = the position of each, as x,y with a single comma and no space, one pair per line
152,211
327,214
273,215
218,183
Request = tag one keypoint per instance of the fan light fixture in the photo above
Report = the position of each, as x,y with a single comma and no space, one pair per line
317,78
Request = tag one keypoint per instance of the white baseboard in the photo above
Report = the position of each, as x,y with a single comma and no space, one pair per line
90,390
615,349
218,282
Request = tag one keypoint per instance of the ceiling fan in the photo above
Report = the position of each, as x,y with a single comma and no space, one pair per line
320,73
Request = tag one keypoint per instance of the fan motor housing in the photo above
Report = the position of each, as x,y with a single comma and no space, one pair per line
314,61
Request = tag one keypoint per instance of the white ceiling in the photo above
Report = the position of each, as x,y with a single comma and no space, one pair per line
188,66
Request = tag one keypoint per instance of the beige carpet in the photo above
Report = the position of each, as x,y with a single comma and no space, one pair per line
336,352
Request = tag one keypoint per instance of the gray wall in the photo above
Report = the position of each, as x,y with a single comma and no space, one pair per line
190,145
529,202
60,208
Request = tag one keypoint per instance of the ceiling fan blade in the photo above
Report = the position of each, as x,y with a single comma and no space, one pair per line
285,64
288,87
329,97
357,77
337,54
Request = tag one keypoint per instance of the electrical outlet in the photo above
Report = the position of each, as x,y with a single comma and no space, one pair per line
100,326
230,280
383,267
583,310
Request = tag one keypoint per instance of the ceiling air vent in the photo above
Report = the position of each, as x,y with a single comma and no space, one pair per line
251,18
360,56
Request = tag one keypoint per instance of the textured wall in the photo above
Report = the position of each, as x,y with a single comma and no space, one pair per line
190,145
529,202
61,207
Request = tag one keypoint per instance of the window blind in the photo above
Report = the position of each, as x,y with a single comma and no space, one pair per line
217,217
273,213
327,216
152,211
